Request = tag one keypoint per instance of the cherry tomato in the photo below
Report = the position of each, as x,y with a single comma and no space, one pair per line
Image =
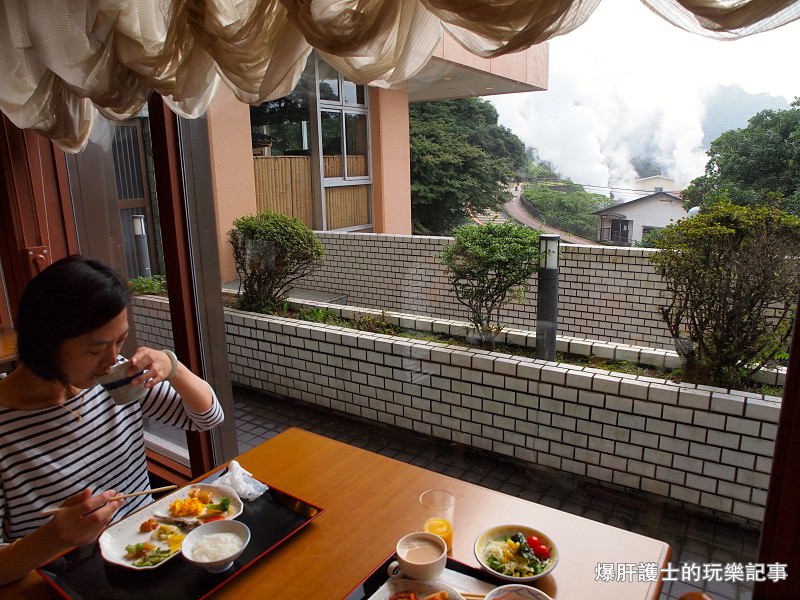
533,541
541,551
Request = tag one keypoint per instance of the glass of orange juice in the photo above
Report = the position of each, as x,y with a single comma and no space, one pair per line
438,509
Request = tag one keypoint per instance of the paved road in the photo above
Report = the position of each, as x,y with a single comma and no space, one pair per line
516,211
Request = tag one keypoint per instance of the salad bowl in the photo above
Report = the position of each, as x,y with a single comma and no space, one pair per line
516,553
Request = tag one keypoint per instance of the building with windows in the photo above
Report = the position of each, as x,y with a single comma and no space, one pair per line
628,223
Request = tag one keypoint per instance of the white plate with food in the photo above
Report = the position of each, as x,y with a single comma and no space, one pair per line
153,535
401,589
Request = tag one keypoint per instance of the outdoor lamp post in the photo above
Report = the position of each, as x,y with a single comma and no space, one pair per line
547,306
140,246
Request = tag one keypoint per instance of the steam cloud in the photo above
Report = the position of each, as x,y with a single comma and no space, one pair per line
597,139
627,88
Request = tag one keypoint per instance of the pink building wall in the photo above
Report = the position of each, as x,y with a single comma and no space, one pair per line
232,172
391,160
531,66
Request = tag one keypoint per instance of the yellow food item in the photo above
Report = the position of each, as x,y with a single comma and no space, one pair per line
186,507
175,541
164,532
171,535
203,495
442,528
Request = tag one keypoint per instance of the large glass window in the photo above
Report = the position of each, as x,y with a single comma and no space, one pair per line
113,192
332,150
354,93
357,146
282,135
282,127
310,142
344,126
329,83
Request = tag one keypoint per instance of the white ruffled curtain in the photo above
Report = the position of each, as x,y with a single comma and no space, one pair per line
65,60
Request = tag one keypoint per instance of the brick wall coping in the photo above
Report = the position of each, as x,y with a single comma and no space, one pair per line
652,357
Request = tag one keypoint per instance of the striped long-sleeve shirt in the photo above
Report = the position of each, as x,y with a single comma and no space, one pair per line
48,455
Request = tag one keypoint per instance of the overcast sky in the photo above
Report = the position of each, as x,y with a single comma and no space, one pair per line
628,82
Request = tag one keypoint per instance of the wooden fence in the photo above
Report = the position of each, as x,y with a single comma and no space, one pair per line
283,185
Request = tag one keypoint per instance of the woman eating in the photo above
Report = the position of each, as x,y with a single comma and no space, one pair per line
63,440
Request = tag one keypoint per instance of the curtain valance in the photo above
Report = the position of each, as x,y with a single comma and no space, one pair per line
65,60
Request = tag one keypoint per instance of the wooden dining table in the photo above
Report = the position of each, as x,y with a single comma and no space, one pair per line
369,501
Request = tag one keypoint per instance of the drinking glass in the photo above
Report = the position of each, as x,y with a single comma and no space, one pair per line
438,509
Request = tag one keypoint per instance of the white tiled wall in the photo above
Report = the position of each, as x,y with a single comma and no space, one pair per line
700,445
605,293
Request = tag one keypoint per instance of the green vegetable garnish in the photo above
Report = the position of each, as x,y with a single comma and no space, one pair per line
221,506
134,549
152,558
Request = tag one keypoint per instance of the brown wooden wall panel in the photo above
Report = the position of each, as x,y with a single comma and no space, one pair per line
357,166
36,219
347,206
333,166
283,185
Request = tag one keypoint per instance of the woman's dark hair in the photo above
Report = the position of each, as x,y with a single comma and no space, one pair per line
71,297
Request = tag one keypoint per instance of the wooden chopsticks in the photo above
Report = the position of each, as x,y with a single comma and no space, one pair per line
472,595
52,511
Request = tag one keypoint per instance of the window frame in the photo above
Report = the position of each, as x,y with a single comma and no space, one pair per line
344,109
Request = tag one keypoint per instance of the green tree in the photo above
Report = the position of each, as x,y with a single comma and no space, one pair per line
488,265
540,171
650,238
538,168
732,277
271,251
498,140
757,165
567,206
460,158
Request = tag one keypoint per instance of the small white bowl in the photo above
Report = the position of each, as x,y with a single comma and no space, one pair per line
516,591
506,530
194,540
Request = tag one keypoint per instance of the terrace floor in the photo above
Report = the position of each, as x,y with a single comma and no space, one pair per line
697,538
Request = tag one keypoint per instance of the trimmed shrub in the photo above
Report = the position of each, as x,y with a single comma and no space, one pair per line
489,265
271,252
732,276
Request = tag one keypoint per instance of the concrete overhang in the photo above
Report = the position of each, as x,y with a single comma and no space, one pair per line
444,80
453,72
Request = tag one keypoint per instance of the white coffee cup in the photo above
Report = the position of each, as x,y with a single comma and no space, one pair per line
420,555
118,384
